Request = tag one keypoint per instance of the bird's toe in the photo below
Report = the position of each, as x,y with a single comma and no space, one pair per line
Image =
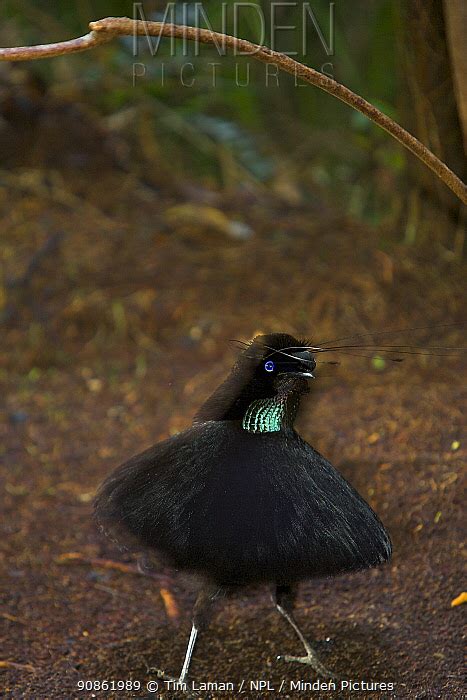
309,660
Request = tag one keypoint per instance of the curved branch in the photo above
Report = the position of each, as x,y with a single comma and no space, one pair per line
82,43
104,30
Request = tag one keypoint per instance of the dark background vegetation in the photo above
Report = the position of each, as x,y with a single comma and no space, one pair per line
144,226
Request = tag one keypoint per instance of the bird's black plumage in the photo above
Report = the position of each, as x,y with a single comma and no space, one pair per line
240,497
239,506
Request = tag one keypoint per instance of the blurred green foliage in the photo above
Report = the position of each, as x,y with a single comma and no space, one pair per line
273,130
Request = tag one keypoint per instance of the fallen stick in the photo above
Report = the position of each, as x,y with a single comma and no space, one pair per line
168,599
19,667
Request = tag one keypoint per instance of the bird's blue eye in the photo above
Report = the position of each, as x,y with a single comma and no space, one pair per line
269,366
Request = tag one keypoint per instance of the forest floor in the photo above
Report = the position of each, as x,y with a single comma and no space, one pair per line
117,331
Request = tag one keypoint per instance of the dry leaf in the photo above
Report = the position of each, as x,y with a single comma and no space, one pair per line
170,604
461,598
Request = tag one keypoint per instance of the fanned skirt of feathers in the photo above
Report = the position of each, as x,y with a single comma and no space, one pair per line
242,508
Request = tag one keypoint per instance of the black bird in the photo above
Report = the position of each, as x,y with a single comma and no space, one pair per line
240,498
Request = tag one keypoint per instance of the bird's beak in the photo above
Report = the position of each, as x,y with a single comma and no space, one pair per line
305,374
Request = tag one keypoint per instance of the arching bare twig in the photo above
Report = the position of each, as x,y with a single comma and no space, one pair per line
104,30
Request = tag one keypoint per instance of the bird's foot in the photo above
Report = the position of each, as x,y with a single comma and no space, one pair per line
311,659
164,676
322,645
178,685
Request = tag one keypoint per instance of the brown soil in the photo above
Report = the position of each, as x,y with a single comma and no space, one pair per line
113,339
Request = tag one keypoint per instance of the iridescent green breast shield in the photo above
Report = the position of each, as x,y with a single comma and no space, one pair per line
269,415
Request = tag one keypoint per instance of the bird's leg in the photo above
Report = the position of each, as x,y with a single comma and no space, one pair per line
201,617
285,597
